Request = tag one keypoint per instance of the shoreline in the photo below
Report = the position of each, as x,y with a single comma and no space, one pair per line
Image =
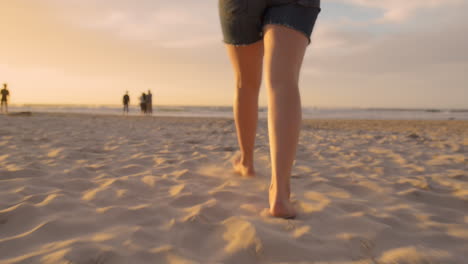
164,115
308,113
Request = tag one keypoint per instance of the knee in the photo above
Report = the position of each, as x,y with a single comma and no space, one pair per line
246,79
248,85
282,86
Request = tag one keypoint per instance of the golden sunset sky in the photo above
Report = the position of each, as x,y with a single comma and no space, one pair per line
364,53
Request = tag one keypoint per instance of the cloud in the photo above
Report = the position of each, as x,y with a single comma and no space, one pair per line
362,53
332,39
401,10
433,37
176,47
159,23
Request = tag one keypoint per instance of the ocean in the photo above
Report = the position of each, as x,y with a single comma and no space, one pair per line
226,112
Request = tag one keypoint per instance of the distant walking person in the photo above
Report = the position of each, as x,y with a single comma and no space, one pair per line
143,103
5,94
126,102
149,103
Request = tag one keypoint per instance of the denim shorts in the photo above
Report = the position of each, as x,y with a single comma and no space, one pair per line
242,21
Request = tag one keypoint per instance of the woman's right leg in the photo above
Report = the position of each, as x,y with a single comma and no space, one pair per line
247,62
284,53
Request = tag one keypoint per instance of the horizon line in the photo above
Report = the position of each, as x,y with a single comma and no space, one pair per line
260,106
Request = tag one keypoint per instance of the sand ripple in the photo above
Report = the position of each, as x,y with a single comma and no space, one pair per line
86,190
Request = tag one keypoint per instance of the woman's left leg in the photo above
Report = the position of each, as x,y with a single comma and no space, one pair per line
247,65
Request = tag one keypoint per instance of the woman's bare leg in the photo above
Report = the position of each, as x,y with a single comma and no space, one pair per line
247,64
284,53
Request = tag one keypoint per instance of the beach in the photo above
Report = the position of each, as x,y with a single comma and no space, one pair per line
86,189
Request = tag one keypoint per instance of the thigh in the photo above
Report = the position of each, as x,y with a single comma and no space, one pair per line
241,20
284,54
247,62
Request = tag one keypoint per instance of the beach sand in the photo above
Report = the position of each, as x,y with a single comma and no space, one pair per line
82,189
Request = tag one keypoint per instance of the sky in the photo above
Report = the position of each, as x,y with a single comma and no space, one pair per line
364,53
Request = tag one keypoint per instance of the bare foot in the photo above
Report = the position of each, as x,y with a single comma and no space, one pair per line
246,171
284,209
281,207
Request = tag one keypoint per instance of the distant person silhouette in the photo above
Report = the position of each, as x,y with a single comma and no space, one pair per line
149,103
126,102
143,103
5,94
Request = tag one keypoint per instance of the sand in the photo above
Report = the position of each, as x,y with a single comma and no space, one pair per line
82,189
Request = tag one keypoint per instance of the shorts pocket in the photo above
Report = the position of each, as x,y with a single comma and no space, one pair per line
233,7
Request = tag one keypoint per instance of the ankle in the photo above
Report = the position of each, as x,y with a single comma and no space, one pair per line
246,162
279,194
